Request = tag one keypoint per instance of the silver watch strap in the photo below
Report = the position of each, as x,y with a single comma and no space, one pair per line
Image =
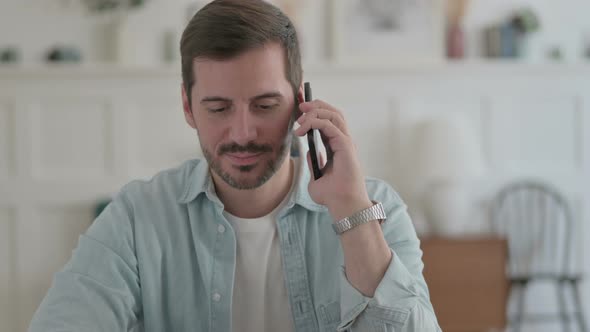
375,212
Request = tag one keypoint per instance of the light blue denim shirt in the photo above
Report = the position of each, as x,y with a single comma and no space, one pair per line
161,257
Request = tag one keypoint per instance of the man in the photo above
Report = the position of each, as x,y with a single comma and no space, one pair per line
244,240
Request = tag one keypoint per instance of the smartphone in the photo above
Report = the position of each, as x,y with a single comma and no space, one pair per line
314,139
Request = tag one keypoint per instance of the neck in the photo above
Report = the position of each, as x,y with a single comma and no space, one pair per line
255,203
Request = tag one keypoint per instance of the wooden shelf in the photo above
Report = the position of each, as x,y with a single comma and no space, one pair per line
476,67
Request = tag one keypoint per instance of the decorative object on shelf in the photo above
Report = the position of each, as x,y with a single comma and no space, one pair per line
105,6
501,41
64,54
119,45
586,45
9,55
455,35
555,53
170,42
449,158
525,21
508,39
388,31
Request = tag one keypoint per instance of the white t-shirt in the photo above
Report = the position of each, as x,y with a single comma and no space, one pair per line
260,301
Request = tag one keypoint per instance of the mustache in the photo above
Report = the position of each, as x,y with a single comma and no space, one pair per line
251,147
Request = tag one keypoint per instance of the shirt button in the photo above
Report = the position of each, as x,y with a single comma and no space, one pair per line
216,297
221,228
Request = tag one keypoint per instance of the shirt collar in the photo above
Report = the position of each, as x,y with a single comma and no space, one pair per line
197,180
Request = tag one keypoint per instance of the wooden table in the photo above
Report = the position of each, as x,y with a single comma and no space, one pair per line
467,282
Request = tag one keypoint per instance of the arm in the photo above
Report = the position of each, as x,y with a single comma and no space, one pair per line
400,300
382,284
98,289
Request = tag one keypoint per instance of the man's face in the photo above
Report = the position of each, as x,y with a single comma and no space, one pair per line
242,109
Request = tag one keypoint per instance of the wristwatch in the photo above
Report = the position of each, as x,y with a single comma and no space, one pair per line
375,212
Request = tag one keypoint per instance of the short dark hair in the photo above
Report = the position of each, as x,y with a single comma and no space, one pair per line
224,29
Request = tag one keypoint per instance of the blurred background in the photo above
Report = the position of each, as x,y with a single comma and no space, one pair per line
477,112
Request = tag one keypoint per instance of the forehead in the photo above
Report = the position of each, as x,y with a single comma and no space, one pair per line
252,72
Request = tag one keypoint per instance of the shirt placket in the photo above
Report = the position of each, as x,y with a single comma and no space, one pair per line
296,279
224,255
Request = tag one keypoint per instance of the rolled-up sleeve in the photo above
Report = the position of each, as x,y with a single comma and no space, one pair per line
401,301
98,289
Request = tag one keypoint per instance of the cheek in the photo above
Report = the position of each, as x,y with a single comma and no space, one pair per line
209,135
278,129
212,137
279,138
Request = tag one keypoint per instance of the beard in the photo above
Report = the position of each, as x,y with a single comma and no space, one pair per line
270,168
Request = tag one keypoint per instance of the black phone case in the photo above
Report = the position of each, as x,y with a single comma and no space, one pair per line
315,165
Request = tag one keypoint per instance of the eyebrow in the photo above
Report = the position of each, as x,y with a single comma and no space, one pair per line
272,94
214,98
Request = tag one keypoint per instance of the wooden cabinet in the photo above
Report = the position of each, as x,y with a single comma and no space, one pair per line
467,282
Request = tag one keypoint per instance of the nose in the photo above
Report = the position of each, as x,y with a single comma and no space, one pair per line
243,129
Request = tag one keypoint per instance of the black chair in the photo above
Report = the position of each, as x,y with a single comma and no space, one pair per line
537,221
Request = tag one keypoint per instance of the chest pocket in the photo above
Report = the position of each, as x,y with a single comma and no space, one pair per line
329,316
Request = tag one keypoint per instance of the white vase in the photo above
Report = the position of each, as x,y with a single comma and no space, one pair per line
127,43
110,42
447,206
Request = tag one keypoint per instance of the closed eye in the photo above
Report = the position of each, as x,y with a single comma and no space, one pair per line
217,110
267,107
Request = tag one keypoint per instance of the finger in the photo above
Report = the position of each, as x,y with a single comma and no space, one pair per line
306,106
334,117
336,140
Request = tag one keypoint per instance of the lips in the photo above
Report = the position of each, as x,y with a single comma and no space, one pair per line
243,158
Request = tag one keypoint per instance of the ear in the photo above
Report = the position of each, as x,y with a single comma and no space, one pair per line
187,109
300,96
299,99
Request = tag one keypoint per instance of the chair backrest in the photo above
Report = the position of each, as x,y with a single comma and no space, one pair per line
537,221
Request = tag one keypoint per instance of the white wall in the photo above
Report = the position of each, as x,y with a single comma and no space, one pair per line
71,136
36,25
